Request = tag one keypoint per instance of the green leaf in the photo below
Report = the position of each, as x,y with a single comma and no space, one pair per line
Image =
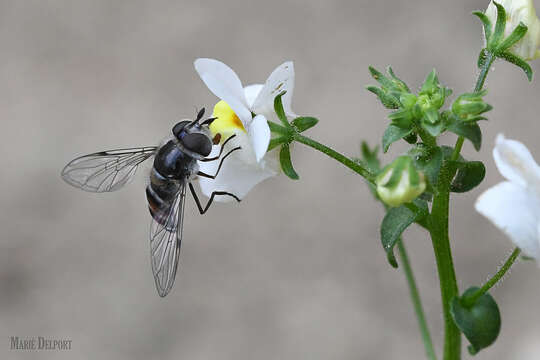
516,35
486,22
433,129
286,164
516,60
303,123
469,175
431,83
278,108
395,222
480,323
470,131
499,26
393,133
429,162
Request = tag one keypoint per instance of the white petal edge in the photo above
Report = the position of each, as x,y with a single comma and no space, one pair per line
225,84
515,162
516,212
281,79
251,92
259,134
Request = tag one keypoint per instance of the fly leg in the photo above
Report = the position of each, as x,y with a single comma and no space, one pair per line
220,151
200,173
205,209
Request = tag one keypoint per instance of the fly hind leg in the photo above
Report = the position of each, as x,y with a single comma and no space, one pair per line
198,202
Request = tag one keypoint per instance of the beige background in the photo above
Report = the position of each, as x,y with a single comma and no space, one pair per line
296,271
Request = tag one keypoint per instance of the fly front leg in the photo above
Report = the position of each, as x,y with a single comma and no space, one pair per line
198,202
220,150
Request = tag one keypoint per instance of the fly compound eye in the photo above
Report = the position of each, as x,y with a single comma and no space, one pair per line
177,129
198,143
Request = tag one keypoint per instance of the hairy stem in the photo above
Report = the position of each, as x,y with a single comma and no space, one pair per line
495,279
438,228
354,166
417,303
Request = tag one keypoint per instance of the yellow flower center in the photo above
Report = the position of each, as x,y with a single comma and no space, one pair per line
227,122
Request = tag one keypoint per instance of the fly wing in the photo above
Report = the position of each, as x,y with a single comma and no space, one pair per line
165,240
106,171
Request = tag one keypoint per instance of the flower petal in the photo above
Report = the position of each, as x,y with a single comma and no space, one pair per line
251,92
225,84
515,211
236,175
259,134
515,162
281,79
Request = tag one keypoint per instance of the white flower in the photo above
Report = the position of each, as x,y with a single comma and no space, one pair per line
400,182
514,205
519,11
244,112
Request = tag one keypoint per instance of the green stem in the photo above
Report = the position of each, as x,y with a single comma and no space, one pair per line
354,166
495,279
441,240
478,87
417,303
438,227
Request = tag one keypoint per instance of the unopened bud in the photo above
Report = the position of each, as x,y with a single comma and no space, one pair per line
400,182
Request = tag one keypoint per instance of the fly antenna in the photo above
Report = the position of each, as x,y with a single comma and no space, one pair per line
208,121
200,114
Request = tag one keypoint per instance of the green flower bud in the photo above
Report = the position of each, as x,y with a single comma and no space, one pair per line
400,182
519,11
469,106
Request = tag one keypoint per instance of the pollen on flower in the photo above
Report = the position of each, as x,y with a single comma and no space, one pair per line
227,122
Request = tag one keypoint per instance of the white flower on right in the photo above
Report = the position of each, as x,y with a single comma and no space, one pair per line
519,11
514,205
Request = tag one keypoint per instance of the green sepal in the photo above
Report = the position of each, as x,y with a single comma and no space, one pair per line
479,322
278,108
431,83
275,142
398,83
402,118
393,133
500,24
286,164
370,157
469,175
516,35
486,22
276,128
395,222
388,101
303,123
469,130
482,58
516,60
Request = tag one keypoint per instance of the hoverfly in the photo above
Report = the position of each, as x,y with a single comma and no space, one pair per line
175,167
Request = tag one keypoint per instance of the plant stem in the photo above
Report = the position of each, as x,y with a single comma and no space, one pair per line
417,303
438,228
354,166
495,279
478,87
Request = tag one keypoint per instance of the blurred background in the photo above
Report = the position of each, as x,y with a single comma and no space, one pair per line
296,270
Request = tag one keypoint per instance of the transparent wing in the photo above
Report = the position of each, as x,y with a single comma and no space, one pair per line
105,171
165,240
